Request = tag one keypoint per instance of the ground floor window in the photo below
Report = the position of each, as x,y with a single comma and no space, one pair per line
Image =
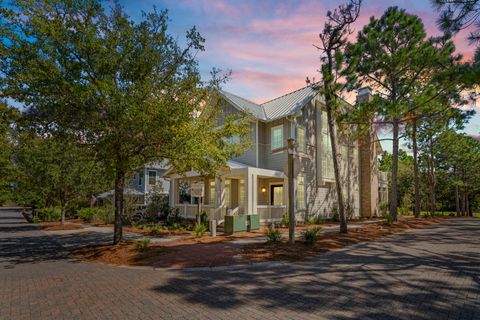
211,192
276,195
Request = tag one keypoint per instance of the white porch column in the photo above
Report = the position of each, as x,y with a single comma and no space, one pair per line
254,179
220,193
248,192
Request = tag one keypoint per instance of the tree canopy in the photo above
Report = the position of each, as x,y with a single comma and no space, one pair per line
126,89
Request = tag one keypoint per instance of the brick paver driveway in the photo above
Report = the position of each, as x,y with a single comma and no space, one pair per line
425,274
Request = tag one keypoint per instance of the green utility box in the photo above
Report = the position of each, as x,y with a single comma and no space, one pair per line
253,222
235,224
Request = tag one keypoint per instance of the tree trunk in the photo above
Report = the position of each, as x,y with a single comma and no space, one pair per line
457,200
291,192
336,169
119,186
416,210
432,178
62,210
469,210
330,104
393,196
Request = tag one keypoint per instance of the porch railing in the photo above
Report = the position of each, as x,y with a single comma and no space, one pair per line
271,213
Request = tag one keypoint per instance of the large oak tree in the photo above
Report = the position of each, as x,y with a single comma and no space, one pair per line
126,89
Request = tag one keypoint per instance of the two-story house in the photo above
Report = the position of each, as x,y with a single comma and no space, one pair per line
256,183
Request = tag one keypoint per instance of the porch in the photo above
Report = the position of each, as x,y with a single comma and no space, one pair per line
236,190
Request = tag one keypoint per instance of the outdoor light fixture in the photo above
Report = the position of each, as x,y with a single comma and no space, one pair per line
264,189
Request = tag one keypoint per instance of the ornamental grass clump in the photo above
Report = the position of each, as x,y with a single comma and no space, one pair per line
273,235
311,235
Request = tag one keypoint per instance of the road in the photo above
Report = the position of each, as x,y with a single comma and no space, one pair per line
431,273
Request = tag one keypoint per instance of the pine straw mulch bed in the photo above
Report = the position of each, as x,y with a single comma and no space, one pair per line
123,253
55,226
208,251
331,241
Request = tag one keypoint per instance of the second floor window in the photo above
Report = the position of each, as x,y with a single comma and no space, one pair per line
152,177
277,137
302,142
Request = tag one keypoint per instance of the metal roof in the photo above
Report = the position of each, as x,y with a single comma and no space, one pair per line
289,103
276,108
244,105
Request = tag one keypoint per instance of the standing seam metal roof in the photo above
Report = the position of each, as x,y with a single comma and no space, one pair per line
275,108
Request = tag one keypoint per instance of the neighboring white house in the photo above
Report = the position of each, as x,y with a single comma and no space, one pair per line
145,180
255,182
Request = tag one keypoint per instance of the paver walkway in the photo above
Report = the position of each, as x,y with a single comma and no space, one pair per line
429,273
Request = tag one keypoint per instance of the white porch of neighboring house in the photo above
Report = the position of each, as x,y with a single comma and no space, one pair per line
237,189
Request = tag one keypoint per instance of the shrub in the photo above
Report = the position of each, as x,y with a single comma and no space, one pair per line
318,219
104,215
173,216
199,230
157,207
204,218
335,217
309,220
389,218
50,214
311,235
285,219
36,219
273,235
142,244
86,214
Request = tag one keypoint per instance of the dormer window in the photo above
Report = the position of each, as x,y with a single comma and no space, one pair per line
277,137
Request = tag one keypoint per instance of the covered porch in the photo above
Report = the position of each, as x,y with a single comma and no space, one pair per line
235,190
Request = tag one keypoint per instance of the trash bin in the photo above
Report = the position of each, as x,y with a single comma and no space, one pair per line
235,224
253,222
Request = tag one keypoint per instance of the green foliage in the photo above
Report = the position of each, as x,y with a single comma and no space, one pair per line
97,215
204,218
36,219
86,214
311,235
416,76
273,235
319,219
199,230
49,214
126,89
335,217
157,208
285,219
309,220
389,219
141,244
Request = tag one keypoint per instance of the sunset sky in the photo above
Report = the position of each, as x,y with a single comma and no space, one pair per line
268,45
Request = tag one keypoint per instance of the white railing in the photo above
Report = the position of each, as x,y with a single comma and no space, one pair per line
189,211
271,213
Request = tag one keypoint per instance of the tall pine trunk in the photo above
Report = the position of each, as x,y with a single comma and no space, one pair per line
432,178
62,210
393,194
457,199
416,210
119,186
336,169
